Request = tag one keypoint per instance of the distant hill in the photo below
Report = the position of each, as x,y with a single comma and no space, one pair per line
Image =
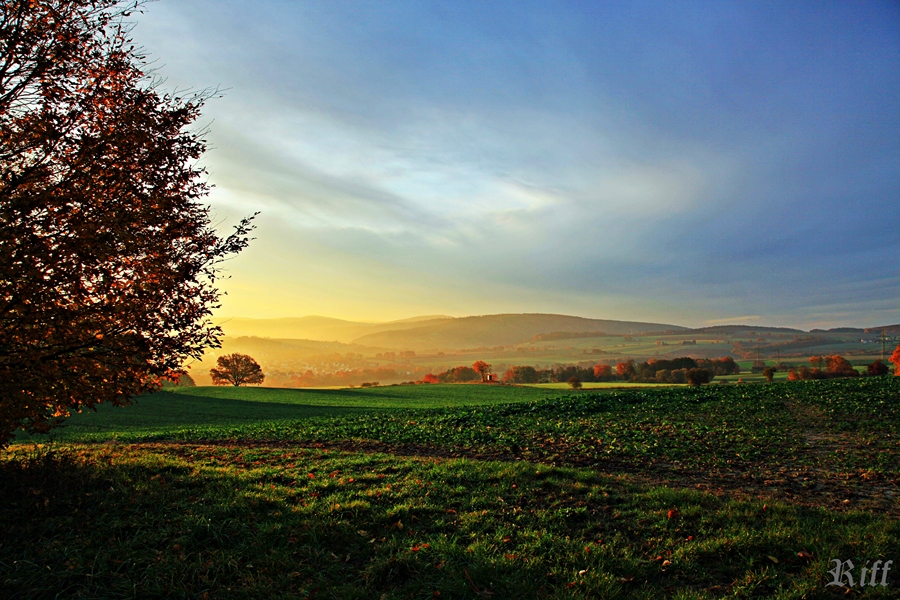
743,329
496,330
885,328
443,333
318,328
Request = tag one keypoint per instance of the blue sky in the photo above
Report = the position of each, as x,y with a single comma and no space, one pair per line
679,162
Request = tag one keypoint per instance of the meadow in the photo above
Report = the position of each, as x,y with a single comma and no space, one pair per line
461,491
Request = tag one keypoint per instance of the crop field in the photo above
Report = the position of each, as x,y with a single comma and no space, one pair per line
598,385
464,491
180,412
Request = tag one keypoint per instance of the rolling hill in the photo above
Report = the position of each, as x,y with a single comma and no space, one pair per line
495,330
318,328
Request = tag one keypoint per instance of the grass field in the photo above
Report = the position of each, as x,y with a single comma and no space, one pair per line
182,412
462,492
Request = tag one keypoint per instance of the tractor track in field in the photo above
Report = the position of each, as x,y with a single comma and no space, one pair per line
794,483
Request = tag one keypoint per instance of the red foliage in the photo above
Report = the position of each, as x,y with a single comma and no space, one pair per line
482,368
895,358
625,370
838,365
430,378
109,259
602,371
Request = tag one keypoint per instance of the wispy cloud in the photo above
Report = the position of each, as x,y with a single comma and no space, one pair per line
626,160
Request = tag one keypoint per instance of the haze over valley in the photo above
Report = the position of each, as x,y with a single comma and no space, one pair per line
319,351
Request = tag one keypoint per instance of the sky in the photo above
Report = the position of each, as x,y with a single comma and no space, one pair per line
692,163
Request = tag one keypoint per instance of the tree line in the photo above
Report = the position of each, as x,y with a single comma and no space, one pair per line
676,370
836,366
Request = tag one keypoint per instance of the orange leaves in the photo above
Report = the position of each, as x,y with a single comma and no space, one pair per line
482,368
895,358
602,370
112,280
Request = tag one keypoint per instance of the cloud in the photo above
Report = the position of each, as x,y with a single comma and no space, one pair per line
735,160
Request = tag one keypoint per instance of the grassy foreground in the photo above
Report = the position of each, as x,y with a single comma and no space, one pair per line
244,521
732,491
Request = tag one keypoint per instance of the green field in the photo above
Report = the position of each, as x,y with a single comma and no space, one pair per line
180,412
466,491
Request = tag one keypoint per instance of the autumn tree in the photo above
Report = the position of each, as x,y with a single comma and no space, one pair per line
236,369
838,366
877,368
895,358
459,374
769,373
108,259
602,372
482,368
625,370
574,383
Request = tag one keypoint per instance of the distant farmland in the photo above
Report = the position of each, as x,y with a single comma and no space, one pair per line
286,361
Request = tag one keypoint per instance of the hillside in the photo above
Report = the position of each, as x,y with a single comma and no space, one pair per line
746,330
318,328
496,330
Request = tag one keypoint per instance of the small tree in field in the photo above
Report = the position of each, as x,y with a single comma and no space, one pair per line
236,369
574,383
698,376
769,373
877,368
839,366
